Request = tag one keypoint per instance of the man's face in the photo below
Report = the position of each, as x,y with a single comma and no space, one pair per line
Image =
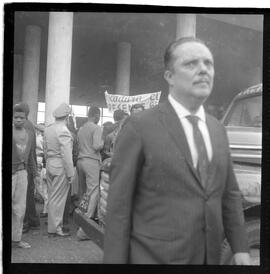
97,117
19,119
192,72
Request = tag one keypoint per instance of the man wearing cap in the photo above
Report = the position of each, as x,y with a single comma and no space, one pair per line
59,168
23,166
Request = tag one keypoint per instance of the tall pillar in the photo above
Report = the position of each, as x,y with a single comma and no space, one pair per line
17,78
123,68
58,62
31,70
186,25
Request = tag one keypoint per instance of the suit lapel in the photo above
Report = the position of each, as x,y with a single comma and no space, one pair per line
174,127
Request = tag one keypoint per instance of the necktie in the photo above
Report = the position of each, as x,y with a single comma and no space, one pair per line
203,162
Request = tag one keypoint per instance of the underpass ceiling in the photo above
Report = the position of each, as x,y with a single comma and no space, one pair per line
95,37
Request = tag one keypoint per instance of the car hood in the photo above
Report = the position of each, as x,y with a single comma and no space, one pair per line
245,144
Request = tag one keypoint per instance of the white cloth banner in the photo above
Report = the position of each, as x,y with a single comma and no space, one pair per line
116,101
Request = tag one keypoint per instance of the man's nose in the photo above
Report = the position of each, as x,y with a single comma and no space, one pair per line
202,67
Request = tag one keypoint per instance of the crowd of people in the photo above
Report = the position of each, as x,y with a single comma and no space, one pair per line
58,166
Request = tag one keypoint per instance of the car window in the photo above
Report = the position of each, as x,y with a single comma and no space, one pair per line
245,112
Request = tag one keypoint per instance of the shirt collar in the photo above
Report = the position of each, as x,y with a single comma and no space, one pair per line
182,112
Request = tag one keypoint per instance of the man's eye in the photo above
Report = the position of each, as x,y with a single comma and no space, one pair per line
208,63
191,64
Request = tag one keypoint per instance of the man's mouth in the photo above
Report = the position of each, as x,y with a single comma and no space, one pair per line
203,81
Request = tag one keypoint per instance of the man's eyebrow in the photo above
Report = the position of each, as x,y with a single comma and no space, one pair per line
195,58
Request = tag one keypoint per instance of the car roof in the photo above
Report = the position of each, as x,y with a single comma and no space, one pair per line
251,91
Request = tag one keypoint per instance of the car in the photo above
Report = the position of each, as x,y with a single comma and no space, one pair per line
243,123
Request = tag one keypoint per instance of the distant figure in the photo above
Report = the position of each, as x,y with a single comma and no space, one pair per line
59,168
108,128
119,117
31,219
90,144
41,188
23,166
136,108
72,129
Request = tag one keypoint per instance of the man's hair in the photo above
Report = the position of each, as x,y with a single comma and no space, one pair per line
118,115
94,111
136,106
21,107
169,57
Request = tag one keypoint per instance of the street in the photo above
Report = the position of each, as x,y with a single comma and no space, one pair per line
56,250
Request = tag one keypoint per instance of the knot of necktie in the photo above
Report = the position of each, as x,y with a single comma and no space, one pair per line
193,119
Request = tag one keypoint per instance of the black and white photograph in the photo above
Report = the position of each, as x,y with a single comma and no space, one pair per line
136,135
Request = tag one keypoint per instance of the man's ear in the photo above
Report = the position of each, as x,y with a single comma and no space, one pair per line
168,76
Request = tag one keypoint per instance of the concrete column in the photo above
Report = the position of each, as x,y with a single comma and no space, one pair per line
58,62
186,25
123,68
31,70
17,78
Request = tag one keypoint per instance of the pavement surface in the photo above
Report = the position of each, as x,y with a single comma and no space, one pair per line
46,249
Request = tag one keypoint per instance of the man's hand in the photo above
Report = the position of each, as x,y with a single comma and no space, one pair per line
242,258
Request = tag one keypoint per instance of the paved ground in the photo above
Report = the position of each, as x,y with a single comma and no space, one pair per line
56,249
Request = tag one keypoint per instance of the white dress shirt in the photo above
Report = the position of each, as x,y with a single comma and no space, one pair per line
182,113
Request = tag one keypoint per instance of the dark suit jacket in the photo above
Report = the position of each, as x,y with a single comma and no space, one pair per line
158,211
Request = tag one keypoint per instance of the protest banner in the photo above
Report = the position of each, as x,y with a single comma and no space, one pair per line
124,102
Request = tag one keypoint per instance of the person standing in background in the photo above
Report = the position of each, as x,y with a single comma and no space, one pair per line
119,117
71,128
90,143
136,108
31,219
59,168
41,187
23,166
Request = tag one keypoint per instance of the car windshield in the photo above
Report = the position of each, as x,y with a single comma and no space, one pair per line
245,112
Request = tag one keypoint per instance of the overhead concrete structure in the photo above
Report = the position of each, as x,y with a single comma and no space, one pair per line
31,70
98,63
123,68
58,61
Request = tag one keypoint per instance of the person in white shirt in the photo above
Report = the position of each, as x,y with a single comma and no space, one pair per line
176,194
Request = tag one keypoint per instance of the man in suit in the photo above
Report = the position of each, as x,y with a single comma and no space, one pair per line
59,168
176,194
